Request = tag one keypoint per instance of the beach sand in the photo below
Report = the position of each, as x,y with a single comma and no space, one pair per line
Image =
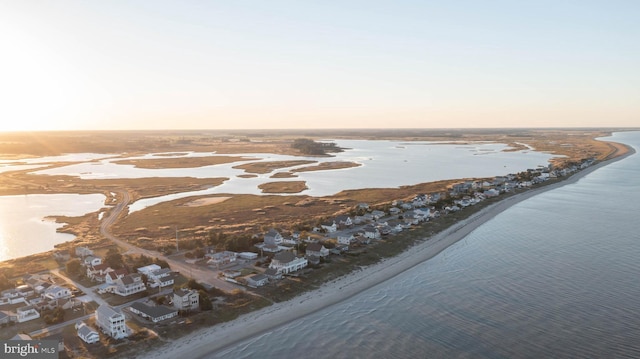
210,340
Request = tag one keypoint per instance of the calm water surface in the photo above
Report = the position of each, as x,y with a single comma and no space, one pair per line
24,229
555,276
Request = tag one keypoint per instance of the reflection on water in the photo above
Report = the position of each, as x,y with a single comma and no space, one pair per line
24,229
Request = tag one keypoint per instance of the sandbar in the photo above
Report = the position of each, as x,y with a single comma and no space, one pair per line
213,339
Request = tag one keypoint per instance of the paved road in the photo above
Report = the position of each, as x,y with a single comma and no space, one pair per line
204,276
86,290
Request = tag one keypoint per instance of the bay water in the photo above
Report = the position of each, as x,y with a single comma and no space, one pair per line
555,276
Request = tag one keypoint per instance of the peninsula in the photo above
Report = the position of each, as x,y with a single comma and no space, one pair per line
232,248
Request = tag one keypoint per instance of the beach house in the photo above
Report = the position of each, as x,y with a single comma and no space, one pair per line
287,262
111,322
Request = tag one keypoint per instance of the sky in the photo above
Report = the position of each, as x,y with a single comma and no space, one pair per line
132,65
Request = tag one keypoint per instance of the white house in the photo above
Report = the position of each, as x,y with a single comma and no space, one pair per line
371,232
129,284
161,278
316,249
111,322
221,258
287,262
146,270
330,226
91,261
26,313
87,334
186,299
345,240
257,280
343,221
57,292
273,236
153,313
98,272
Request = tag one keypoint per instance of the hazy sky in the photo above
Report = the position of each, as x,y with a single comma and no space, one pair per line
319,64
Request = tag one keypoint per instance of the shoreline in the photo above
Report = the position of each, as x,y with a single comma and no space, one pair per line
202,342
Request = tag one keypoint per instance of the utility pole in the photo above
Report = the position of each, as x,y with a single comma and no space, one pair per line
177,245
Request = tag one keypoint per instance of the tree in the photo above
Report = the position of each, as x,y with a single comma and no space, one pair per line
73,266
205,301
193,284
114,259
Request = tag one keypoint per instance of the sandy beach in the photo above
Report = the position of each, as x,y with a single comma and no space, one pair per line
215,338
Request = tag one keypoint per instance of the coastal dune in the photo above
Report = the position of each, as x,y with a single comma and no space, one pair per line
216,338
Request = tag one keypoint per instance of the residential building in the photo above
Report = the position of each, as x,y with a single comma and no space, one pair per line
160,278
111,322
257,280
57,292
155,314
186,299
129,284
316,249
91,261
87,334
27,313
221,258
287,262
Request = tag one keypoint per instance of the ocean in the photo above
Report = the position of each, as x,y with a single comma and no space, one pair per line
555,276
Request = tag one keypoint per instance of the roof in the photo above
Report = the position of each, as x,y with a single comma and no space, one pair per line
258,277
162,271
181,292
84,330
271,272
149,268
284,257
153,312
106,311
21,336
315,247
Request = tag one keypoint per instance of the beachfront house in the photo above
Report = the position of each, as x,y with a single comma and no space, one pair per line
186,299
155,314
87,334
111,322
287,262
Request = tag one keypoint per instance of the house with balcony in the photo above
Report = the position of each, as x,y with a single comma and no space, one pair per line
287,262
186,299
111,322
